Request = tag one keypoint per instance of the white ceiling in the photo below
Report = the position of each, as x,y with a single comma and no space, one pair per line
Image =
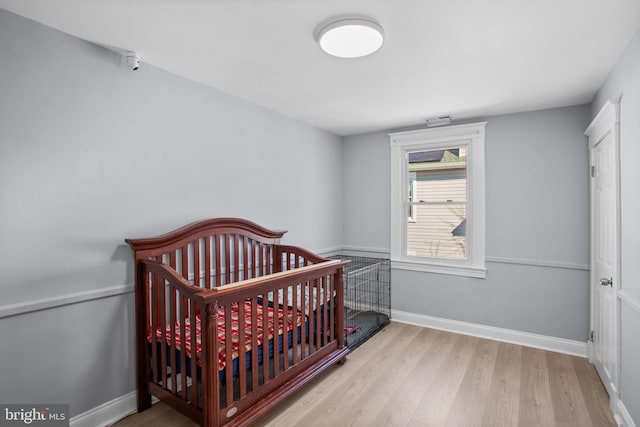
464,58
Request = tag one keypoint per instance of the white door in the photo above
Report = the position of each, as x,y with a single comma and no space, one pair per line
604,250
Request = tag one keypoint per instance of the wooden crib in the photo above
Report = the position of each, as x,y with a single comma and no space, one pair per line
229,322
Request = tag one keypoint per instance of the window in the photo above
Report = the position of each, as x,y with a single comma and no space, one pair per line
437,199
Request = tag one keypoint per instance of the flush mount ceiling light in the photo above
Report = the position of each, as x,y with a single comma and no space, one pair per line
350,37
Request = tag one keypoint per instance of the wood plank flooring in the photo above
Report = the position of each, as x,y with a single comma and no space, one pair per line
412,376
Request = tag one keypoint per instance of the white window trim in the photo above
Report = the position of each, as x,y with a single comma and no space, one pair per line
414,187
469,135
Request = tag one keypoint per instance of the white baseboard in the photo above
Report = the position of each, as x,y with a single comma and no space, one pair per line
622,416
108,413
560,345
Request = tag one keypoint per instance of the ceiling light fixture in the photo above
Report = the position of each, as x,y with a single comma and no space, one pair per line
350,37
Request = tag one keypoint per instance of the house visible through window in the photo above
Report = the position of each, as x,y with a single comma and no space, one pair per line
438,203
437,200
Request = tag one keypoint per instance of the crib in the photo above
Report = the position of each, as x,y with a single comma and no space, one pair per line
229,322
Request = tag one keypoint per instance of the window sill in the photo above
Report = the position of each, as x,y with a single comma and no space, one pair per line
455,270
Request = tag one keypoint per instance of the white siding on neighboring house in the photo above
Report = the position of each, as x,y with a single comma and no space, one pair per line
429,234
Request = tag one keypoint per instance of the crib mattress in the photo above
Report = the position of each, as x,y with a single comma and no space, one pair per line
294,319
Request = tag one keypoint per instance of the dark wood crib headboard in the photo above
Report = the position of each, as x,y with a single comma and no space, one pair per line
214,252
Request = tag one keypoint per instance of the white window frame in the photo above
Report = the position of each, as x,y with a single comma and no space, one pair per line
414,188
402,143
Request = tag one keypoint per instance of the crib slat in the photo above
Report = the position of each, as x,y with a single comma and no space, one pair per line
210,373
254,258
185,273
207,262
259,259
185,262
218,263
317,311
197,279
254,343
249,260
265,338
172,344
277,261
307,322
322,308
228,336
183,346
269,267
172,264
312,315
227,259
294,334
339,288
285,328
194,356
153,314
242,350
276,338
245,255
164,346
261,250
154,325
322,296
172,259
236,257
332,315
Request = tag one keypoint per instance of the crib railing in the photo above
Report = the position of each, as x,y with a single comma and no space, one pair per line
296,321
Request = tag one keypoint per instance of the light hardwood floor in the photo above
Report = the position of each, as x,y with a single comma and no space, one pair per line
412,376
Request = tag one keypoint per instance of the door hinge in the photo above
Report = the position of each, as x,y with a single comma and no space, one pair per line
593,171
591,335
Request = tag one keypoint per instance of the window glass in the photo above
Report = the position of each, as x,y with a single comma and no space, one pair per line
437,203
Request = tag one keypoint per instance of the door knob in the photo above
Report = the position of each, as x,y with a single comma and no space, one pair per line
606,282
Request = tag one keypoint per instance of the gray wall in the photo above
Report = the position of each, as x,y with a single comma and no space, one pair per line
624,84
366,191
537,230
92,153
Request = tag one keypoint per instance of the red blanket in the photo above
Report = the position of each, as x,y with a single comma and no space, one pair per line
235,345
